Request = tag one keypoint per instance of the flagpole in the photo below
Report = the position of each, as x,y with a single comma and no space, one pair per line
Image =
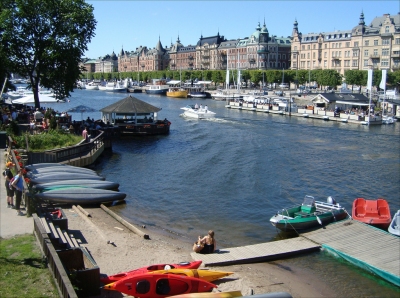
369,87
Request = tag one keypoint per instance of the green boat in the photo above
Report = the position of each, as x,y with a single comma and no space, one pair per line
308,215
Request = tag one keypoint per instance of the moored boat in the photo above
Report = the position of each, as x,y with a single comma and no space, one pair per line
56,169
62,176
372,212
35,166
394,227
159,285
309,214
80,195
99,184
177,93
197,112
158,86
207,275
181,265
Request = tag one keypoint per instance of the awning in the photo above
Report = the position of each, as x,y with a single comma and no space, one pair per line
353,103
203,82
173,82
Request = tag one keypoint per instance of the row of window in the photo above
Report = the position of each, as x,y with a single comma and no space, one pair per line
336,45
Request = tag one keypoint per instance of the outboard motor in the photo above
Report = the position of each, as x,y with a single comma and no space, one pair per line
331,200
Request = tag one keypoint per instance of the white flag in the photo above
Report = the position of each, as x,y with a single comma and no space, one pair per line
227,78
382,85
369,81
238,78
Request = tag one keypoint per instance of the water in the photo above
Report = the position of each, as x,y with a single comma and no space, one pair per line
232,173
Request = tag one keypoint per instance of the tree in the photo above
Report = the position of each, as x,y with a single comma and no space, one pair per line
44,41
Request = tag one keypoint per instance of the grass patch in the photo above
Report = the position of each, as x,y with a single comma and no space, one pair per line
23,272
52,139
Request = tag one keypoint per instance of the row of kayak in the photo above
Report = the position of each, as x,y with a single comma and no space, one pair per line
59,183
173,280
311,214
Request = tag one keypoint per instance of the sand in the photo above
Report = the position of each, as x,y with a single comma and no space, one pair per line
116,249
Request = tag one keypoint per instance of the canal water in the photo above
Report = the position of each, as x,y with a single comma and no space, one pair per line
232,173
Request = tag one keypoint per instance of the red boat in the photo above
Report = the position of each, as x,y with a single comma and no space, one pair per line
159,285
182,265
372,212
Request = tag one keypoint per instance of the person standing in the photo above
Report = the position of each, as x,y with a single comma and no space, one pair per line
8,175
18,184
206,108
85,134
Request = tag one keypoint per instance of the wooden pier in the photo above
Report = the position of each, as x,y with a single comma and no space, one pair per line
365,246
258,252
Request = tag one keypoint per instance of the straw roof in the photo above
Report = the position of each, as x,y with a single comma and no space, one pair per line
130,105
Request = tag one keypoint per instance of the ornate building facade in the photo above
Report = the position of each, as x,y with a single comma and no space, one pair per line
375,46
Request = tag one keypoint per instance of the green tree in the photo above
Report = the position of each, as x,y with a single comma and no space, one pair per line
44,41
329,77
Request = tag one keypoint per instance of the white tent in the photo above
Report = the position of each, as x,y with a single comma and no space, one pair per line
31,100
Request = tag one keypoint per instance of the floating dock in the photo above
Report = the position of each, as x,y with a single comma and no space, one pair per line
365,246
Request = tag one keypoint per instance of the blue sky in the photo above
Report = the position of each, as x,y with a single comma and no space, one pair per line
130,24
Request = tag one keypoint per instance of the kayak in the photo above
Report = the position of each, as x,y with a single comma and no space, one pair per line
62,176
80,195
99,184
207,275
181,265
37,166
159,285
230,294
50,170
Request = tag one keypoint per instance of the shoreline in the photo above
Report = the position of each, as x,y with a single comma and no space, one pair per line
129,251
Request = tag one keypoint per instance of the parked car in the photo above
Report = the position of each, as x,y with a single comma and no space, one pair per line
284,85
313,86
279,93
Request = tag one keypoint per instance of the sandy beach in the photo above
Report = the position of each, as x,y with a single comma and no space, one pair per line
116,249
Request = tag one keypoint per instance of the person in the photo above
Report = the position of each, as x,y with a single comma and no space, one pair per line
209,242
18,184
38,116
196,106
206,108
201,106
8,175
85,134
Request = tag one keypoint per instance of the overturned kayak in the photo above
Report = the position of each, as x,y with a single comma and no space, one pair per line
80,195
37,166
50,170
46,178
99,184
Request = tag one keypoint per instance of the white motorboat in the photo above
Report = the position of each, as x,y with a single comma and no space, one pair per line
394,227
92,86
388,119
198,113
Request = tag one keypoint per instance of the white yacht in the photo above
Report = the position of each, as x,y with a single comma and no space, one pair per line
199,113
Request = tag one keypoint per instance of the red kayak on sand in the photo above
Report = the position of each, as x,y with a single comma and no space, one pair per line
181,265
159,285
372,212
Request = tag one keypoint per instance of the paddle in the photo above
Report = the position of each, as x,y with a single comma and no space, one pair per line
318,219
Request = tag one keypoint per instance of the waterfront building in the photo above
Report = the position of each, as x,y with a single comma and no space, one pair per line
374,46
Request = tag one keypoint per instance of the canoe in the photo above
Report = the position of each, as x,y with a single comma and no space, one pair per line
308,215
207,275
37,166
99,184
230,294
62,176
159,285
394,227
80,195
372,212
49,170
181,265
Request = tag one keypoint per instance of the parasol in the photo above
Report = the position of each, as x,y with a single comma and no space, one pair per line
81,109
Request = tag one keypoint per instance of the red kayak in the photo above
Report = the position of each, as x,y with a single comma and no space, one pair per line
182,265
372,212
159,285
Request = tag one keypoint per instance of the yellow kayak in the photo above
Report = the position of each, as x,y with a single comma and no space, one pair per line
207,275
213,295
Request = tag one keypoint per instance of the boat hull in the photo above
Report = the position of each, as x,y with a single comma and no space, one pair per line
99,184
394,227
34,166
80,195
62,176
372,212
177,94
160,285
56,169
182,265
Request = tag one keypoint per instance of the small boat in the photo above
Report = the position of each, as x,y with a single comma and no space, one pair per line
198,113
99,184
177,93
207,275
181,265
394,227
309,214
159,285
53,170
372,212
62,176
92,86
157,87
36,166
388,120
80,195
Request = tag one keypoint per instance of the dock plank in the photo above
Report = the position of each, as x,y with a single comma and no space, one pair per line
257,252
